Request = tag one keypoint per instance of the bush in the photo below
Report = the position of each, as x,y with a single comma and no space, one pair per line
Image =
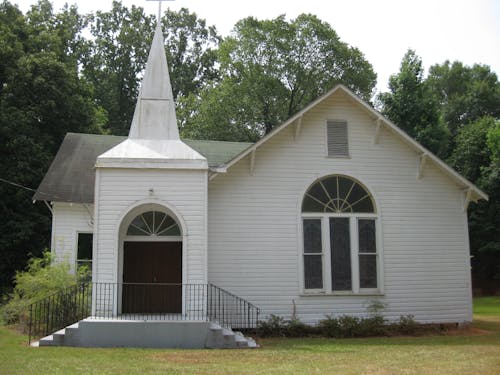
275,326
295,328
373,326
41,279
406,325
329,327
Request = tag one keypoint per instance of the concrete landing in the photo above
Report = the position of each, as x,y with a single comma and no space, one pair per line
147,334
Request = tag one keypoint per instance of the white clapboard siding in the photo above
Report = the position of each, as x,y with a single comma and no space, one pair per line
119,190
69,219
253,223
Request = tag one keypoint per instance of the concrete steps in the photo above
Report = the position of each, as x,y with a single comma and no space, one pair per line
216,336
223,338
63,337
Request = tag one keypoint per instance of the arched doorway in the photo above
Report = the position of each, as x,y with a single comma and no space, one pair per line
152,264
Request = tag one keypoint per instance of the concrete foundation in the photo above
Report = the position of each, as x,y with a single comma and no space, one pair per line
138,334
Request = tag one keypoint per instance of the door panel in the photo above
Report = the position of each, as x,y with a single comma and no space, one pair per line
146,264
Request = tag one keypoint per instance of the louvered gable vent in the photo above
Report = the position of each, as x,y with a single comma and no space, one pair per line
337,138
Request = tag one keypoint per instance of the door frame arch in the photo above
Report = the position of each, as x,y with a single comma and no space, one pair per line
126,218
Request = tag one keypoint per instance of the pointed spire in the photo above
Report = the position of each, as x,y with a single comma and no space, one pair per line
154,116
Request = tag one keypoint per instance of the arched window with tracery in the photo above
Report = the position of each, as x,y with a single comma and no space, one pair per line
340,252
152,224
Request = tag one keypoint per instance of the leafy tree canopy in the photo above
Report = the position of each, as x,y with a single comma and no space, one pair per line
42,97
270,69
465,93
411,105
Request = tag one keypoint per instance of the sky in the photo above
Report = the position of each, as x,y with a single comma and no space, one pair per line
438,30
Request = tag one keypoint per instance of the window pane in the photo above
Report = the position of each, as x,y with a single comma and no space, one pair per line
367,271
312,236
340,245
84,246
363,205
168,227
313,272
366,228
318,192
149,218
138,227
310,205
337,194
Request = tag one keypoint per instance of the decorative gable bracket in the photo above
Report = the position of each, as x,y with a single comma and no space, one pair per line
252,161
378,126
298,126
467,199
421,164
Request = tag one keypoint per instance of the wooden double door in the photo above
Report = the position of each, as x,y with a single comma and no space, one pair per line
152,277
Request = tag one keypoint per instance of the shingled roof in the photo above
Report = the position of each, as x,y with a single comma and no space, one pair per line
71,175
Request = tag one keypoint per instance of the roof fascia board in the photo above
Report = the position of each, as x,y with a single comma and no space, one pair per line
277,130
376,116
421,149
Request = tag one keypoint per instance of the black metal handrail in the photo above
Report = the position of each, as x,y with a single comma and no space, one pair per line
229,310
140,301
58,310
171,301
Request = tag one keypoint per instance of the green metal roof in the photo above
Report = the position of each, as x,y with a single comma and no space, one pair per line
71,175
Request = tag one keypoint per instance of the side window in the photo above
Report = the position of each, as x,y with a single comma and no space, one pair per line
84,252
313,254
345,258
336,132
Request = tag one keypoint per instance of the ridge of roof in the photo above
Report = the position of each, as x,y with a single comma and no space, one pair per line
376,116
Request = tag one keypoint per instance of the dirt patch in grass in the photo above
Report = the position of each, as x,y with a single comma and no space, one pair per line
466,331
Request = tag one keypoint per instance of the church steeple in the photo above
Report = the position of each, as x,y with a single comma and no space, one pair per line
153,140
154,116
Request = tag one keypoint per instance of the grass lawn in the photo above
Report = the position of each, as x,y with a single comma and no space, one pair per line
476,351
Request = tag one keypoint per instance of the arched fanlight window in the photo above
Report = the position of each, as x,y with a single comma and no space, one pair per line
337,194
153,223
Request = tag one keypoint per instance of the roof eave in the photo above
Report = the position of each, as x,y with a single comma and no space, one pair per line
478,193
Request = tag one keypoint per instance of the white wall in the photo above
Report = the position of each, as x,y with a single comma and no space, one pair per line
120,190
68,219
253,223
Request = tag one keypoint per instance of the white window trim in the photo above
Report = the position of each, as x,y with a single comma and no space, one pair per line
326,255
77,260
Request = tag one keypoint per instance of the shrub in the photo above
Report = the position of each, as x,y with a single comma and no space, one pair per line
329,327
406,325
295,328
275,326
41,279
342,327
373,326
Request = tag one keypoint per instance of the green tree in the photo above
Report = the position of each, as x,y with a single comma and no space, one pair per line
191,48
481,142
274,68
115,60
119,50
42,97
465,93
411,105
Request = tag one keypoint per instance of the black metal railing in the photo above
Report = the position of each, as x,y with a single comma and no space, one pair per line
140,301
167,301
58,310
230,310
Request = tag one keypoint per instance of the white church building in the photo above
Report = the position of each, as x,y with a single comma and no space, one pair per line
334,209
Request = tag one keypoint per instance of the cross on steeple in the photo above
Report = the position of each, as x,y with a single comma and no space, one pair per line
159,9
